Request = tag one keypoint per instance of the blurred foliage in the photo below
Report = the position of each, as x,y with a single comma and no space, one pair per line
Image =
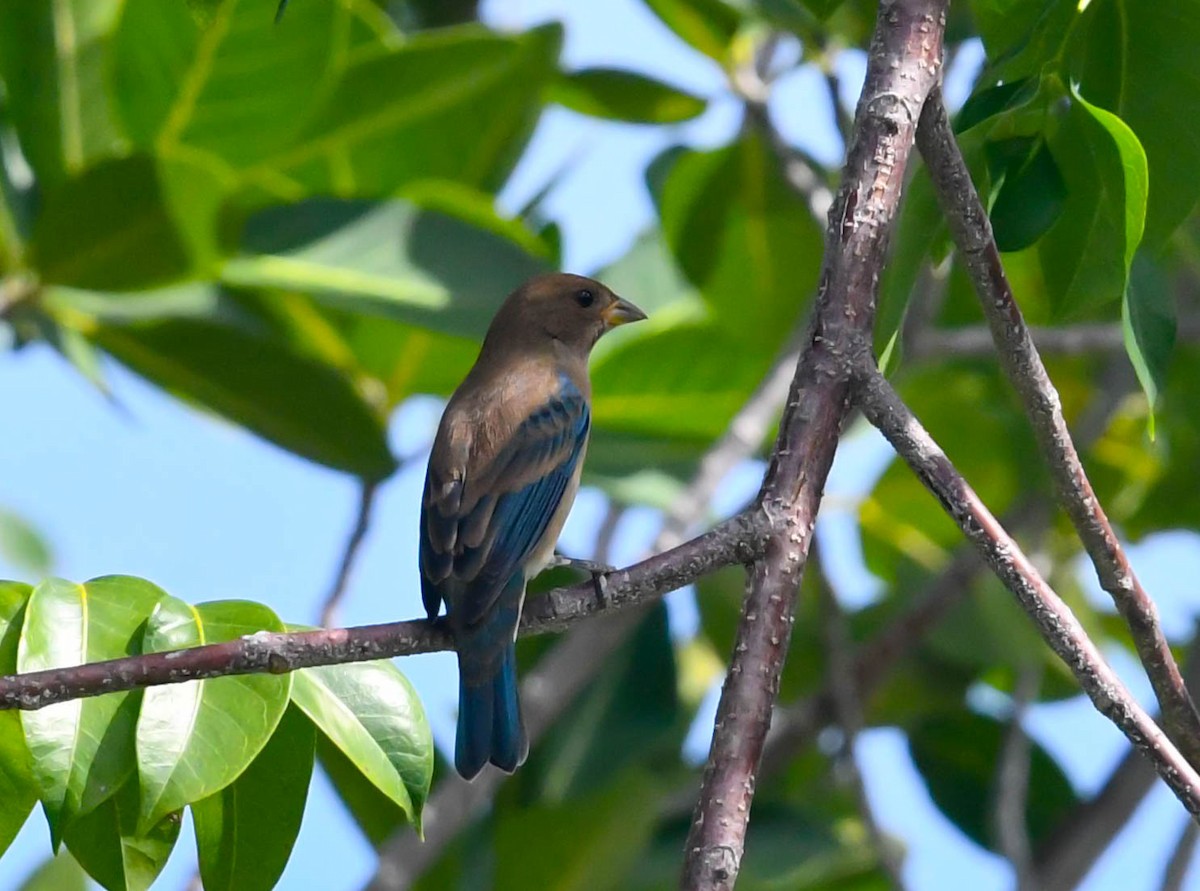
294,225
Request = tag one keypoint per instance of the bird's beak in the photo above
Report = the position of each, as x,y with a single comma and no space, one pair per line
621,312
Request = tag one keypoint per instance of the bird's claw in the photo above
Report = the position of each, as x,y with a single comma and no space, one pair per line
598,571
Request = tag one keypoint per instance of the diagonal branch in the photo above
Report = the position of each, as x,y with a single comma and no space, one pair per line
737,540
358,534
1054,619
903,65
972,231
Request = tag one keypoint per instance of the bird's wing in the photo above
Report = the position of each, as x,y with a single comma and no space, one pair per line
479,527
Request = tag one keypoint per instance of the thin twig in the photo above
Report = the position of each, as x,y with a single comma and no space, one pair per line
1069,853
341,581
1085,338
972,231
842,681
1176,872
1012,782
1054,619
902,68
734,541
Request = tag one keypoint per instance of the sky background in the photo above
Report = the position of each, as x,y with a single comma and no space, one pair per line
152,488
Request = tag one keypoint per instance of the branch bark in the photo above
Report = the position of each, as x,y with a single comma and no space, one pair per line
737,540
903,65
972,231
1054,619
358,534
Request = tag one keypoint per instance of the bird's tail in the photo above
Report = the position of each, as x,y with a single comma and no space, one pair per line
489,720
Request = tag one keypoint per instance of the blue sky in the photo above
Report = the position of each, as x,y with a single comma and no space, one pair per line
153,488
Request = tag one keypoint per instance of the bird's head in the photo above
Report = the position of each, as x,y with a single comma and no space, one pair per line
570,309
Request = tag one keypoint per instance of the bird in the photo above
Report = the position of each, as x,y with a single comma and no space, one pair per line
502,475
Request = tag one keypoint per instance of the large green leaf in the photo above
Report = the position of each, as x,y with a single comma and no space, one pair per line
743,237
624,96
109,229
181,726
629,714
393,259
53,58
588,844
1140,63
22,545
377,815
1087,254
178,84
18,787
298,403
83,749
1148,322
239,850
707,25
371,713
118,855
958,754
391,118
59,873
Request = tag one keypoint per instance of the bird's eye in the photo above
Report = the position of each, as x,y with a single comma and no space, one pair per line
585,298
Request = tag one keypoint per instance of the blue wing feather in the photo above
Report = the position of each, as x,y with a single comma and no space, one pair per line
513,523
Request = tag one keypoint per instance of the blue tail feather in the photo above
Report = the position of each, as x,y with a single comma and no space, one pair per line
489,721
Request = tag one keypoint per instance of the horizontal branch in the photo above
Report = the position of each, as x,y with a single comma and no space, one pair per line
1054,619
1083,339
738,540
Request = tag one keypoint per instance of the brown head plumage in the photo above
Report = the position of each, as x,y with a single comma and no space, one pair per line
559,308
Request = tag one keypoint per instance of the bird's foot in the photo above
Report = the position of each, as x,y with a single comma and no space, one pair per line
598,571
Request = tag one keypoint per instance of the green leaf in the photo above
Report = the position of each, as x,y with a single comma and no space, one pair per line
588,844
108,844
377,815
630,714
371,713
22,545
1141,64
743,237
238,849
391,259
83,749
1087,254
109,229
1031,192
59,873
180,86
624,96
706,25
958,754
18,786
53,60
300,404
389,119
182,725
1021,36
1148,323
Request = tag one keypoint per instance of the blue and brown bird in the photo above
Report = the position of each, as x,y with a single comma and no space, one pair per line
502,475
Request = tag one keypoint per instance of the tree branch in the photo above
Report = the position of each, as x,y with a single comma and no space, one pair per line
1012,782
362,522
737,540
1176,871
1054,619
1085,338
842,682
903,66
972,231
